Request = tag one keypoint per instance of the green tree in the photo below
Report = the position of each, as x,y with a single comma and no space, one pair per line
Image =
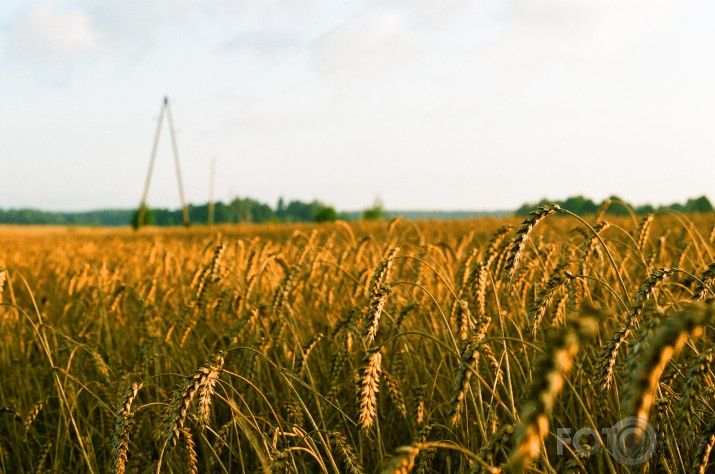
375,212
298,211
326,214
700,204
281,209
149,217
580,205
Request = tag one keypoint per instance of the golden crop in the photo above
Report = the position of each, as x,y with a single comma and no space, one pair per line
346,348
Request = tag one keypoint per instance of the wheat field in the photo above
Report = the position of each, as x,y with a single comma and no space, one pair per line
545,343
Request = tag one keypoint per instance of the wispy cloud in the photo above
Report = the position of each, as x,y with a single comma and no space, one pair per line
47,30
359,38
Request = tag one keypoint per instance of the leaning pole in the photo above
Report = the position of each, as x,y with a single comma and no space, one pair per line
165,109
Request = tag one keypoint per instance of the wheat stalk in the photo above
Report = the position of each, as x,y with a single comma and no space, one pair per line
694,379
419,408
404,459
3,279
491,253
123,427
463,318
377,296
192,459
666,343
606,360
382,272
346,453
42,458
393,390
702,456
543,300
550,372
468,364
32,416
305,352
643,231
591,245
201,382
374,312
707,279
368,388
479,287
522,235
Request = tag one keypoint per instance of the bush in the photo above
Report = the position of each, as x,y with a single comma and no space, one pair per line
326,214
375,212
149,217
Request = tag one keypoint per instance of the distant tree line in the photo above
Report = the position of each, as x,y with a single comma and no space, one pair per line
107,217
245,210
250,210
238,210
582,206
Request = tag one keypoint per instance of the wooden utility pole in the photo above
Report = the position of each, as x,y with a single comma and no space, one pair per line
184,207
211,191
143,207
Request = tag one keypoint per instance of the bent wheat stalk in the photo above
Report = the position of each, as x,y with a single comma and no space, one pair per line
201,382
550,370
607,358
522,235
667,342
123,428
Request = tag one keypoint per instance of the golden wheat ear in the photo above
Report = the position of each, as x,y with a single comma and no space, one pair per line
666,343
701,460
551,369
522,236
201,382
123,427
368,388
606,360
345,452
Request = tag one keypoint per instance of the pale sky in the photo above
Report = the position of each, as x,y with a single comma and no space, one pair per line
429,104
